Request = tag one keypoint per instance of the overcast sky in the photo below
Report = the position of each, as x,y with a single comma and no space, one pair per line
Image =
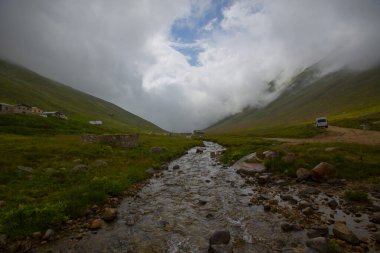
184,64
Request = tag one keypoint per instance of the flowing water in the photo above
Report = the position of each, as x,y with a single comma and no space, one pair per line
179,211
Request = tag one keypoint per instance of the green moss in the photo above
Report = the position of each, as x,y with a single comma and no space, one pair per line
356,196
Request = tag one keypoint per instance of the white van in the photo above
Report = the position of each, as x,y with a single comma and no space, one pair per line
321,122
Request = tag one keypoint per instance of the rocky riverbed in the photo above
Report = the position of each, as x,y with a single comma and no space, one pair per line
181,207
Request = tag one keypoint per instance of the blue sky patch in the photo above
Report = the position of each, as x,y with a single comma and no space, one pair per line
187,31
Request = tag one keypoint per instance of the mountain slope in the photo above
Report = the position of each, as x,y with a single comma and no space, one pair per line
338,95
19,85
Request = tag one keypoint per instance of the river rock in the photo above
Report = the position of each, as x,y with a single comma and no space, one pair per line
303,174
318,244
220,248
319,231
23,169
375,218
220,237
250,169
307,211
48,235
99,163
80,168
95,224
109,214
263,179
288,198
287,227
341,231
176,167
199,151
377,237
303,204
129,221
323,171
164,167
332,204
309,191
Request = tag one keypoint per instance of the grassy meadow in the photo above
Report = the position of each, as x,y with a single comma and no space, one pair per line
53,192
352,161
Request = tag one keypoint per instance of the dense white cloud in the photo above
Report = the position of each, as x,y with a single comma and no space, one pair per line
124,51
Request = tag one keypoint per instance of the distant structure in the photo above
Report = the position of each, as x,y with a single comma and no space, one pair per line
6,108
19,109
27,109
54,114
36,110
96,122
198,132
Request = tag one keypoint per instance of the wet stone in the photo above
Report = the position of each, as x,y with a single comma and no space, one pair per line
288,198
332,204
220,248
176,167
220,237
318,232
288,227
377,237
341,231
308,211
109,214
309,191
303,204
318,244
375,218
130,221
267,208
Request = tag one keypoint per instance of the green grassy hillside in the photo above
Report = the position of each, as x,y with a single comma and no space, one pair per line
339,95
19,85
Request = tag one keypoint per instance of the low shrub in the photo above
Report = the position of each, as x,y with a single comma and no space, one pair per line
27,219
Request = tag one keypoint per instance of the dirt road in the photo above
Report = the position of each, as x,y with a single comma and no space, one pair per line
339,134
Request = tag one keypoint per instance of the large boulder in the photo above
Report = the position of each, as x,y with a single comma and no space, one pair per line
341,231
323,171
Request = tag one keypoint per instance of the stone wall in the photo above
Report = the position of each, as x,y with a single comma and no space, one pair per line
115,140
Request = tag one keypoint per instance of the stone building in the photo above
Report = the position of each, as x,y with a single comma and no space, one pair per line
6,108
